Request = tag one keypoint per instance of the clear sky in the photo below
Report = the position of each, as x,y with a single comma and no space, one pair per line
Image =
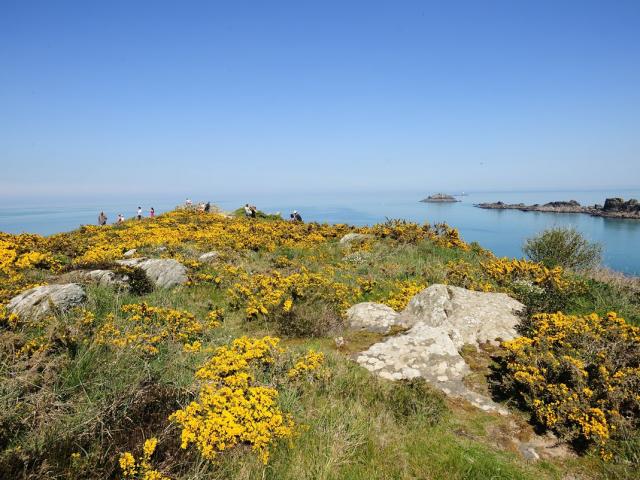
186,96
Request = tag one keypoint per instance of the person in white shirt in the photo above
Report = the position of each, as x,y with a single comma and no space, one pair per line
139,213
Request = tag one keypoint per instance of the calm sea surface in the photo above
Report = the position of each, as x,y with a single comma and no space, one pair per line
501,231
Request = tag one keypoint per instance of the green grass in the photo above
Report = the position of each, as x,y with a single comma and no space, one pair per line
100,401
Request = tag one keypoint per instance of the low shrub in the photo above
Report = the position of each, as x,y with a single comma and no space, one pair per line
139,283
563,247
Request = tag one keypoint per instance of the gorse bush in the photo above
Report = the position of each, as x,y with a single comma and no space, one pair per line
232,407
564,247
579,375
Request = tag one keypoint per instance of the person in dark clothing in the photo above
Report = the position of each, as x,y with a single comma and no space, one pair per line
207,207
296,216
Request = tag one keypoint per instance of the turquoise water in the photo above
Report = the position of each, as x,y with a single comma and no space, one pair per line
502,231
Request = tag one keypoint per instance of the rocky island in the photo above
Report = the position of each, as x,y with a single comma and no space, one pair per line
439,198
612,208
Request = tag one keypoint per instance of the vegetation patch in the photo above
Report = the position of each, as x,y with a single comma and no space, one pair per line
579,375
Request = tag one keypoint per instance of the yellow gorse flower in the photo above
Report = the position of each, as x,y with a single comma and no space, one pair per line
144,327
310,363
575,375
230,409
142,469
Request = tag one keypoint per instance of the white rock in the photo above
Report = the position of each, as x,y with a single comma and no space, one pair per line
104,278
129,253
163,273
38,301
372,317
470,317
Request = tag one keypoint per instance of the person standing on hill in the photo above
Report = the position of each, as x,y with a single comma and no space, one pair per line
139,215
152,213
120,218
247,210
207,207
296,216
102,219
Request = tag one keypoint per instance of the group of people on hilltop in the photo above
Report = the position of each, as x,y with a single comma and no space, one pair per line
102,218
250,211
202,207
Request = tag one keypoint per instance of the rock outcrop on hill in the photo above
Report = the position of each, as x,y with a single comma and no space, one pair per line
469,317
162,272
104,278
440,320
39,301
613,208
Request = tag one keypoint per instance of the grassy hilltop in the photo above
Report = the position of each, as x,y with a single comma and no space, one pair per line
236,374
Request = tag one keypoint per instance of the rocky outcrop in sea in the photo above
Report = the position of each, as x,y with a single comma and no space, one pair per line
440,198
612,208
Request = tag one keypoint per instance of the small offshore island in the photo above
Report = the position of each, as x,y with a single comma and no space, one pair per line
613,208
439,198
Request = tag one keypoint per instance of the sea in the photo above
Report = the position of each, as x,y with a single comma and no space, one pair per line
502,231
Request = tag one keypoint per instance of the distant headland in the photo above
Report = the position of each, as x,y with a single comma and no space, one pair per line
439,198
612,208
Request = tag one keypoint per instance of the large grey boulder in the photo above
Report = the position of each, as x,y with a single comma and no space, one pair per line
441,319
354,237
162,272
469,317
39,301
372,317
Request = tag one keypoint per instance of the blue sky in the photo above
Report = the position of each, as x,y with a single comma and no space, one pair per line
179,97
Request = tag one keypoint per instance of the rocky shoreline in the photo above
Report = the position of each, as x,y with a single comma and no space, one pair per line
612,208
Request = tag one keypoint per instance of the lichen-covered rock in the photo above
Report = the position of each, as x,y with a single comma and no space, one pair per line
427,352
162,272
354,237
470,317
441,319
39,301
372,317
129,253
104,278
